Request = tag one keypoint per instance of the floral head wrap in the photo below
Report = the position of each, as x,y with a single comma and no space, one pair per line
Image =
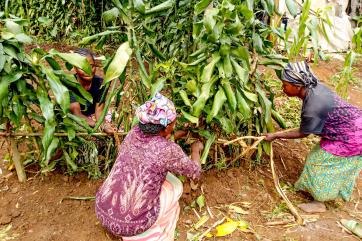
158,110
300,74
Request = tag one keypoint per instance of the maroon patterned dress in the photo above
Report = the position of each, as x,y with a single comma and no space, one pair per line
128,202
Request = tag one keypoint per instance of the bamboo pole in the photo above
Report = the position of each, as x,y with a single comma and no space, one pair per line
6,134
20,171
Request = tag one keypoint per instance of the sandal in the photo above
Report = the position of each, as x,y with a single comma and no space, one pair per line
352,226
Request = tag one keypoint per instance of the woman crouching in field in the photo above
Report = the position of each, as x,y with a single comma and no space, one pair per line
139,198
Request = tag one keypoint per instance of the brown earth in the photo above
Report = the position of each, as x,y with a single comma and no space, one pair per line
36,211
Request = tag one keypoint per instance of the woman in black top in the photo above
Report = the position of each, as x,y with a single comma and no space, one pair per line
91,111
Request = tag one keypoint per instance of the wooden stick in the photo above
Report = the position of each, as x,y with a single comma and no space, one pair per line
64,134
242,138
291,207
209,229
20,171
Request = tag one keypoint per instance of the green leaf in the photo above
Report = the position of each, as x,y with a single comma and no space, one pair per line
158,86
190,118
243,53
226,125
292,7
92,38
13,27
118,63
279,119
268,6
258,43
191,86
110,15
80,121
53,63
230,94
47,109
74,59
201,6
200,200
156,52
243,106
208,144
266,105
139,6
210,19
45,21
209,69
240,71
2,57
161,7
69,161
23,38
250,4
250,96
228,68
199,104
217,104
51,149
60,91
185,98
4,89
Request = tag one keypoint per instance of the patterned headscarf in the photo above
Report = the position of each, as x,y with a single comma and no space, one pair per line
159,110
300,74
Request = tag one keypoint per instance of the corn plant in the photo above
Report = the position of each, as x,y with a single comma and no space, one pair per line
57,19
205,54
34,98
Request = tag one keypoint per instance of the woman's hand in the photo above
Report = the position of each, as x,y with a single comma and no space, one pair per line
270,136
197,146
179,134
109,128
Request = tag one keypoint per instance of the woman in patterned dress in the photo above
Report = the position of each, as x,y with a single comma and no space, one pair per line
139,198
333,164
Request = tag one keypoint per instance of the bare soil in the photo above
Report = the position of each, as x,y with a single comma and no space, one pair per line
36,209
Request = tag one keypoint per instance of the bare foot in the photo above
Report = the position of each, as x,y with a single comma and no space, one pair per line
313,207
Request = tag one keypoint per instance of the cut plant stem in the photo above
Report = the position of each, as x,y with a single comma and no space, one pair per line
259,138
291,207
17,161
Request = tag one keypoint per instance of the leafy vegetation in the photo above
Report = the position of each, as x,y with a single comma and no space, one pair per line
34,98
57,20
343,79
205,54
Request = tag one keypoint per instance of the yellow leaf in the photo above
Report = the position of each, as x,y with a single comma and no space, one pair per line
11,167
243,225
226,228
208,235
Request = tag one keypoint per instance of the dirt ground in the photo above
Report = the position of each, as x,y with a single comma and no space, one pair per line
36,209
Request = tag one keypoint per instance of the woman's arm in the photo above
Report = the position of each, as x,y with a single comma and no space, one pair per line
288,134
75,109
107,127
196,148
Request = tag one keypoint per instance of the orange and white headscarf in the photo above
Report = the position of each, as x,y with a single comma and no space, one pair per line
158,110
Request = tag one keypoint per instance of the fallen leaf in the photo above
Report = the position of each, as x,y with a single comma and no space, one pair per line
237,209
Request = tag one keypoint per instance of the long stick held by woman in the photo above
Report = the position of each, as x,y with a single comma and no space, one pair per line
333,164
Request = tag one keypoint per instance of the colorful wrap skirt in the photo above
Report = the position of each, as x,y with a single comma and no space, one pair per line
327,177
164,227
